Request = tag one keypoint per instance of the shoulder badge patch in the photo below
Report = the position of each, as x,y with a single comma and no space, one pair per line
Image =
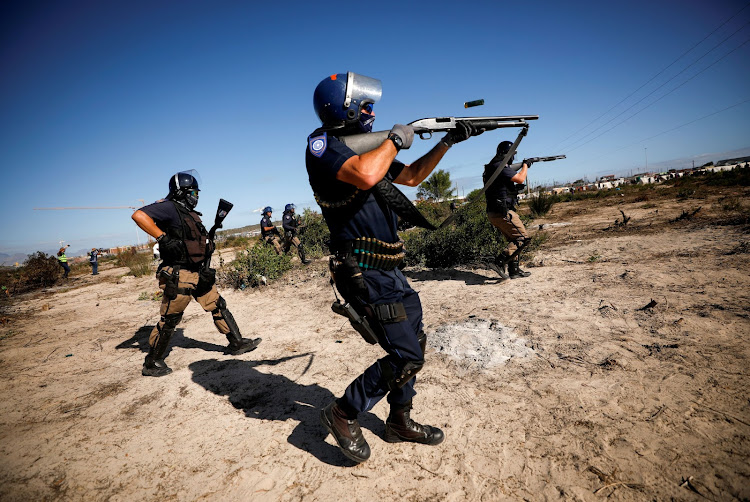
318,144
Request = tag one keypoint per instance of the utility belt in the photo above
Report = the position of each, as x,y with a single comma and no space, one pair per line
206,280
346,273
372,254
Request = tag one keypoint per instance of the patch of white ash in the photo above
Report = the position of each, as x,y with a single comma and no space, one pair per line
484,343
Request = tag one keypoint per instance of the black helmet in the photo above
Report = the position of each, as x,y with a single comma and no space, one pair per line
339,99
184,187
502,150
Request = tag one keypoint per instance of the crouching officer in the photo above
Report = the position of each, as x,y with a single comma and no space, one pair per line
502,197
367,252
268,230
291,224
182,242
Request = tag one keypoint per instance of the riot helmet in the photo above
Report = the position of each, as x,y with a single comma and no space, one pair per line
267,209
340,98
289,207
184,187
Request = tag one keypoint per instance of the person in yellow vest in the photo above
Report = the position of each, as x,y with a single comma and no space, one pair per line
182,239
63,260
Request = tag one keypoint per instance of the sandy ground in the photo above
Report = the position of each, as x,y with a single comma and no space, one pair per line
561,386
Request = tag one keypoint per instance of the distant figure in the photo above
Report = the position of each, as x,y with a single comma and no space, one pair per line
292,224
63,260
454,206
268,230
94,261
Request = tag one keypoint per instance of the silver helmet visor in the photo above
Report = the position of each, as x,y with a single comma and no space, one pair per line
361,89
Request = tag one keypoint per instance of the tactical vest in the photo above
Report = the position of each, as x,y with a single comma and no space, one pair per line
193,235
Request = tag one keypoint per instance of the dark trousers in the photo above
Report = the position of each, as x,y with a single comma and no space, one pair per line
94,267
66,268
399,340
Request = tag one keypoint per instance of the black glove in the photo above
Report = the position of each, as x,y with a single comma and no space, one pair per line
528,162
463,131
406,133
170,248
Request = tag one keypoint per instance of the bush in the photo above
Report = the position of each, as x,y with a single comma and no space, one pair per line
541,205
233,241
255,266
315,235
139,264
467,240
39,270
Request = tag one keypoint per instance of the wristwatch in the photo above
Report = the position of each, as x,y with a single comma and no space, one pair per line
397,141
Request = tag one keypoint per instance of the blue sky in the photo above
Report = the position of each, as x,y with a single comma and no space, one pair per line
100,102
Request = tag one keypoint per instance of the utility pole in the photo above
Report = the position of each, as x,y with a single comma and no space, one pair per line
646,150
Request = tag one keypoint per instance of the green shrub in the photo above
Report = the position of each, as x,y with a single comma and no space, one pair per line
541,205
470,238
255,266
315,235
139,264
233,241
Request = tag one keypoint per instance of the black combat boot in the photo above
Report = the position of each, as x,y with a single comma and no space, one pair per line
400,427
153,366
514,270
346,432
499,267
301,253
238,345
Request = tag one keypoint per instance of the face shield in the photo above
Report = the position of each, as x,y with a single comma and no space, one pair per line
360,90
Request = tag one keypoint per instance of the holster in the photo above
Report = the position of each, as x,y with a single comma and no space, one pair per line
358,322
206,280
171,282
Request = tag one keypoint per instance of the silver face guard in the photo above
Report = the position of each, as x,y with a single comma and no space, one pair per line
361,90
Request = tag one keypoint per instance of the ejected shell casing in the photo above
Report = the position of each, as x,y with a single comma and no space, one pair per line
476,102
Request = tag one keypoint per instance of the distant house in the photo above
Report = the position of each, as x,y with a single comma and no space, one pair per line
604,185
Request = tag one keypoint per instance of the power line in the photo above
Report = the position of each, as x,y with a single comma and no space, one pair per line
672,129
654,77
660,98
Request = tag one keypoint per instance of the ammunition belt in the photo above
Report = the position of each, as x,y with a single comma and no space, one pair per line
374,254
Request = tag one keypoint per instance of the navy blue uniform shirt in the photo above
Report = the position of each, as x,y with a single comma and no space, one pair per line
365,216
164,214
502,190
266,222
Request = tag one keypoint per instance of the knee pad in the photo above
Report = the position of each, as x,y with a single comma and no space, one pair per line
221,304
171,320
397,380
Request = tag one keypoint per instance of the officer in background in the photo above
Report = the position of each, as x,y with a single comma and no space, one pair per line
292,224
94,260
364,230
502,197
182,239
268,230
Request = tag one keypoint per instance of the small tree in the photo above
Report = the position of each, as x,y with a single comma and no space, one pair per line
437,187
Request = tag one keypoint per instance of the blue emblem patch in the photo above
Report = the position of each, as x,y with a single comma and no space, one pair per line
318,144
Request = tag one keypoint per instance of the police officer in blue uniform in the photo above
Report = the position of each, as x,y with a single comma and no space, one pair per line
367,252
182,239
268,230
502,197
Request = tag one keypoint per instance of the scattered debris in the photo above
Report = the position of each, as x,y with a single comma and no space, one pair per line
657,412
688,483
657,347
650,304
686,215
